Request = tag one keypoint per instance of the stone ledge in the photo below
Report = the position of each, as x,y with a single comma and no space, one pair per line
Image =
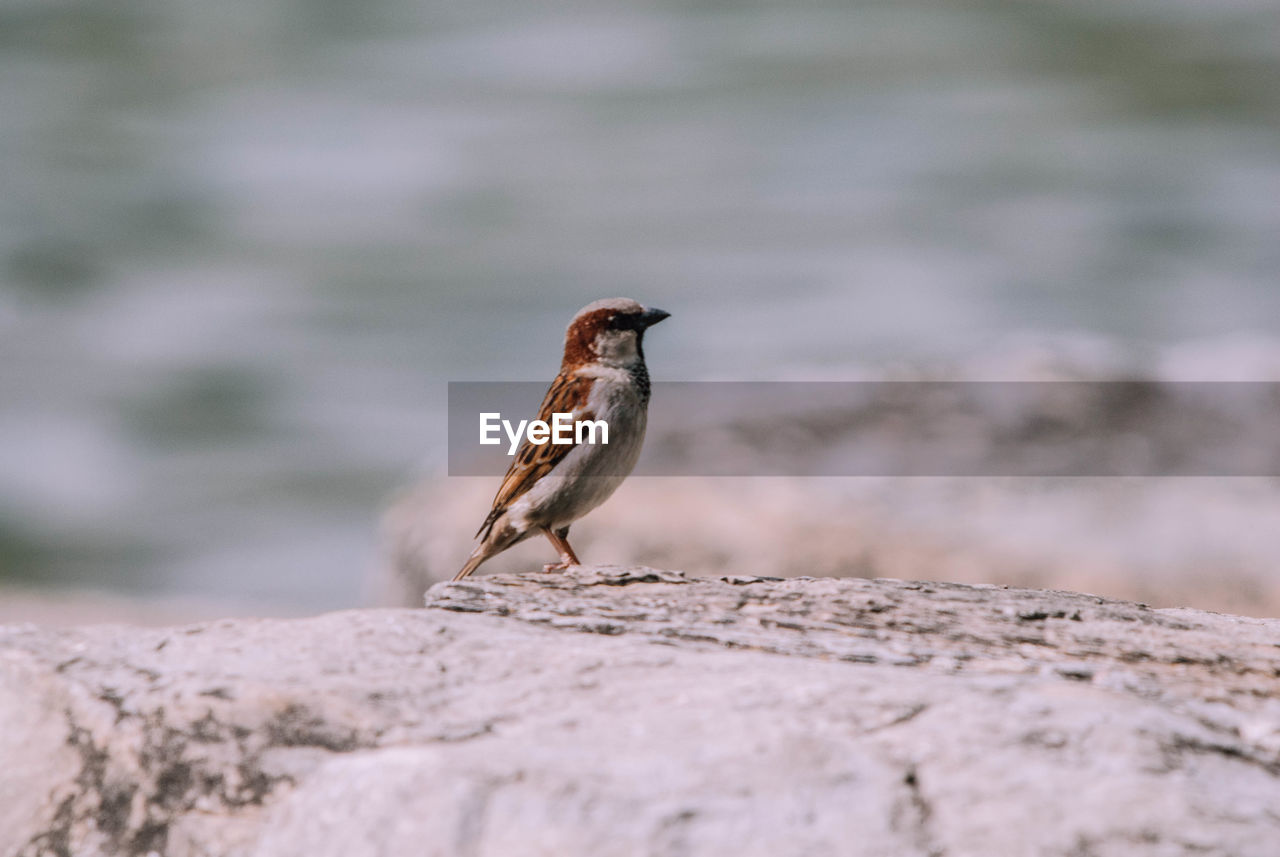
636,711
953,627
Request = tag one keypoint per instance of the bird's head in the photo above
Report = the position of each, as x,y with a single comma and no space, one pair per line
609,332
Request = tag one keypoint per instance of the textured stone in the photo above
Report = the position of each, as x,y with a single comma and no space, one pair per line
621,711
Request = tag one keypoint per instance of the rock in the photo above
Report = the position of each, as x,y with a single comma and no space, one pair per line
620,711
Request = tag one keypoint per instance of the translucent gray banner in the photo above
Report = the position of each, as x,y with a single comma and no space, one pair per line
917,428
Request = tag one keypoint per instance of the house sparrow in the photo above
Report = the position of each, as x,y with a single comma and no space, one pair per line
549,486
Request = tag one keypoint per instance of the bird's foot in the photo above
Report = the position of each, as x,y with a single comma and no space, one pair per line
558,566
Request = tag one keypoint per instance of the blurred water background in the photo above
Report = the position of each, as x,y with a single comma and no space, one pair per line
244,246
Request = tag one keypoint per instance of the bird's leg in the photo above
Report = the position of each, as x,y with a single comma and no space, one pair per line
560,539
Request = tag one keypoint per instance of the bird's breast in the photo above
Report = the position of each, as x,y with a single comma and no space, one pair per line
591,472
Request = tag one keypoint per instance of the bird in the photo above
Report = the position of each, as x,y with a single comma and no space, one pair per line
550,486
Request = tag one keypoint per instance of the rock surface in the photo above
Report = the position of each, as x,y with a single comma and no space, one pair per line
612,711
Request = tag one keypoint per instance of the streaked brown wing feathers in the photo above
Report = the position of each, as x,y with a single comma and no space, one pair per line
567,394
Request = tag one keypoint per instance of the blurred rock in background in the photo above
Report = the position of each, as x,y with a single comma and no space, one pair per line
1207,543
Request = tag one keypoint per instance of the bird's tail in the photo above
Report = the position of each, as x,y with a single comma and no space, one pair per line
498,538
479,556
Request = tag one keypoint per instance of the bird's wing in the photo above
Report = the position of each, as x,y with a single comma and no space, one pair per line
567,394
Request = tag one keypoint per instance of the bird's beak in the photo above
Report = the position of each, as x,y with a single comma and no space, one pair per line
652,316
